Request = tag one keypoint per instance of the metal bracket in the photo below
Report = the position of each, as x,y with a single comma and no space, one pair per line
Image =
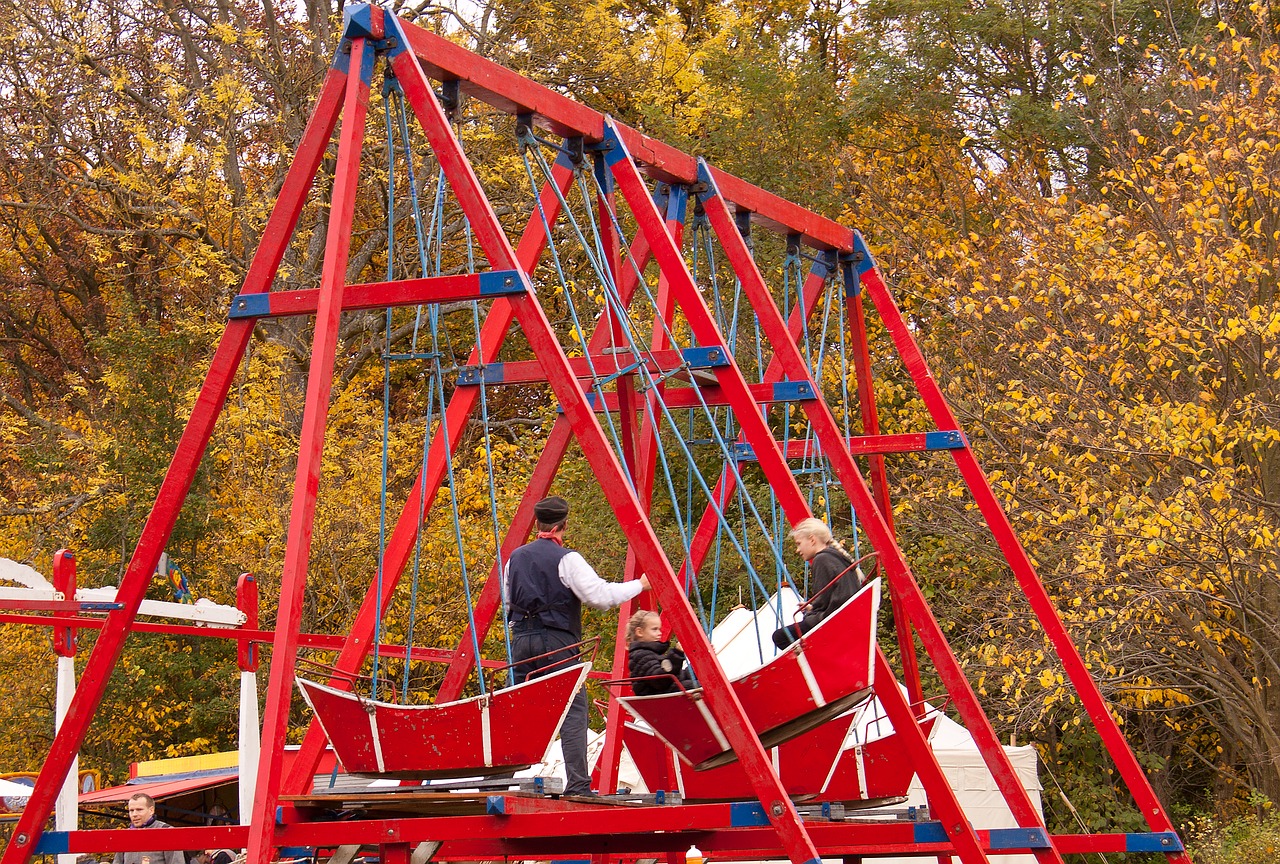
255,305
492,373
793,391
497,282
705,357
950,439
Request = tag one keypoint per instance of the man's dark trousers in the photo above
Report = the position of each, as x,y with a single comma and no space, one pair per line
530,639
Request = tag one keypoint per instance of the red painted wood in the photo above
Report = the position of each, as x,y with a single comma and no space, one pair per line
537,828
882,540
530,371
297,183
805,764
883,762
644,474
173,490
705,533
505,730
723,699
64,582
653,560
1041,604
512,93
376,295
857,323
315,641
315,415
247,602
558,441
401,543
703,326
779,697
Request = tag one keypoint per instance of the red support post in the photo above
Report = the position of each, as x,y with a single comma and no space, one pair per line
315,416
177,481
247,602
857,324
882,540
64,582
722,700
1041,604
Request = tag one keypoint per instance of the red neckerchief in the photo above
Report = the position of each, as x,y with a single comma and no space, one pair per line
550,535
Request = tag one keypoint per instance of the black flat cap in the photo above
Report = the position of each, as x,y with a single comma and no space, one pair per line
551,510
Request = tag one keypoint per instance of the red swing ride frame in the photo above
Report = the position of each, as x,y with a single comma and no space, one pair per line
535,828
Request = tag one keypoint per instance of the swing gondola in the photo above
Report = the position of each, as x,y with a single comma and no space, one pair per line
497,732
827,671
805,764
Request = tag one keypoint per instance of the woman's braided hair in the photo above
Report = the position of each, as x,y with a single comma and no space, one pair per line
813,527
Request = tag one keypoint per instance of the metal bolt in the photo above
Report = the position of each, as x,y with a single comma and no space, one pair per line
21,839
776,808
508,281
241,305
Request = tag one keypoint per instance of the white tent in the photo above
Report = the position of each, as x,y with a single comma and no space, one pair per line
966,772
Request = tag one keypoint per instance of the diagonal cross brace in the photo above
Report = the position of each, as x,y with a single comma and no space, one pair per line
834,445
998,522
182,470
591,436
297,553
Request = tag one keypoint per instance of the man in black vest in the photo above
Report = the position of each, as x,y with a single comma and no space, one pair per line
546,585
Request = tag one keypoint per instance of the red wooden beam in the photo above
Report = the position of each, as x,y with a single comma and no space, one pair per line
998,522
377,295
297,552
517,827
598,364
513,93
941,797
721,698
178,479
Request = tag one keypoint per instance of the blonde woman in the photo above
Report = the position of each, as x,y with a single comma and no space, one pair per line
835,577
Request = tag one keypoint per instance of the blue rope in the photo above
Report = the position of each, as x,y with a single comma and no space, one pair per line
386,405
493,499
725,449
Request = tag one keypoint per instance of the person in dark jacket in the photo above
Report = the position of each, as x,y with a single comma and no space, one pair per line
836,578
656,665
142,814
545,586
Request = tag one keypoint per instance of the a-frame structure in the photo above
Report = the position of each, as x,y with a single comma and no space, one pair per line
625,161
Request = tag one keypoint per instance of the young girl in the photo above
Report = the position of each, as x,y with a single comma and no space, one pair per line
828,562
655,663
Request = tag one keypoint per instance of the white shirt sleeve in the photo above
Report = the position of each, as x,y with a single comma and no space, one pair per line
586,584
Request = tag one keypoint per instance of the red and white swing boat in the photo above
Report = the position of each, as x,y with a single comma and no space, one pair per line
504,730
805,764
827,671
874,770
